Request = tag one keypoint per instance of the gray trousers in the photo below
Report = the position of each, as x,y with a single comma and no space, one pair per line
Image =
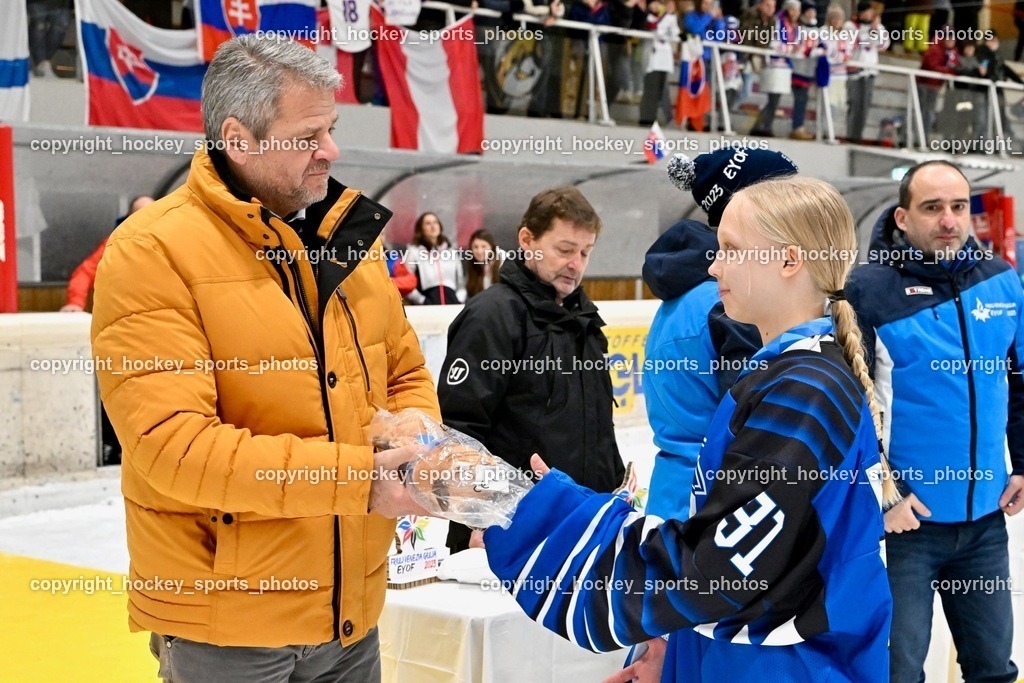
859,93
186,661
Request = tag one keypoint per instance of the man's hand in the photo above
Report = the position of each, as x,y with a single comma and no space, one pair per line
647,669
901,517
71,308
1012,500
388,495
476,538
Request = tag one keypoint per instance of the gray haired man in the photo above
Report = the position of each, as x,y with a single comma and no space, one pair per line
259,516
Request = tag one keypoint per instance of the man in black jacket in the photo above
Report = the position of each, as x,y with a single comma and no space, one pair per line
526,370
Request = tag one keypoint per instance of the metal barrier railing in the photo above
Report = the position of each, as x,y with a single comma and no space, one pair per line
597,94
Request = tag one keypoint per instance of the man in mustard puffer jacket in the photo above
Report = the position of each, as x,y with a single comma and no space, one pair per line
253,331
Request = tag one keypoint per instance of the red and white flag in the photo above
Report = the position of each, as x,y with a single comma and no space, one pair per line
433,86
341,59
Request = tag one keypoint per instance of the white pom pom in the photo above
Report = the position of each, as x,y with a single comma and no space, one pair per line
682,171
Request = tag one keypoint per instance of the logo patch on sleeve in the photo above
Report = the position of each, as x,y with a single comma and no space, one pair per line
911,291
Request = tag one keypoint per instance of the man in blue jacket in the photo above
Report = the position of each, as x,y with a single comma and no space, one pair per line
944,337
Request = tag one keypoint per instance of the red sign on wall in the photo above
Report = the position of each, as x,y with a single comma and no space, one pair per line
8,244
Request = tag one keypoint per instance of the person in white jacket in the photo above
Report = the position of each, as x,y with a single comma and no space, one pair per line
663,22
438,267
872,38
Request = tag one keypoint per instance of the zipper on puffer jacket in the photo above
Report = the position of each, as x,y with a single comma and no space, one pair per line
320,373
355,338
321,368
973,401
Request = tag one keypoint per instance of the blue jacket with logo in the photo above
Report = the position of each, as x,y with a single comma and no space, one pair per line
776,576
694,354
944,342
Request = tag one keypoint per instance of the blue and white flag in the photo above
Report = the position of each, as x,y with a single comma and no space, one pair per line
14,65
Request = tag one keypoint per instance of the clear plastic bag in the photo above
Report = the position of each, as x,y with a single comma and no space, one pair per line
453,476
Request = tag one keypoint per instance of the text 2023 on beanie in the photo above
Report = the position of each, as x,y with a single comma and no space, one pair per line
713,178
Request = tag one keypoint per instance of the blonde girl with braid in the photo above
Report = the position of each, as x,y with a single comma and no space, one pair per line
778,573
809,222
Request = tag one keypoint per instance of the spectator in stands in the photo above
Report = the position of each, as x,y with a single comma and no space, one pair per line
777,76
482,269
702,22
756,27
871,38
621,13
404,280
806,49
941,57
732,63
838,39
595,12
639,53
487,52
546,99
997,69
947,433
916,37
48,22
438,270
974,126
537,314
662,20
84,276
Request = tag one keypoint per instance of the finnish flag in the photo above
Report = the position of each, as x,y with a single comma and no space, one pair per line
14,64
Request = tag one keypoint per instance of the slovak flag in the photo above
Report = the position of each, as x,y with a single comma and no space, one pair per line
694,100
137,76
14,65
433,86
221,20
654,144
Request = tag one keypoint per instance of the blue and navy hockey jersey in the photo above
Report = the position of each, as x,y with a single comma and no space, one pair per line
694,354
944,342
777,575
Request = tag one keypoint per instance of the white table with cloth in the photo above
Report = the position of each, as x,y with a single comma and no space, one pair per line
455,632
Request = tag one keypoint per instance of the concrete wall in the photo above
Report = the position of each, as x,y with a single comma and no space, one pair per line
48,419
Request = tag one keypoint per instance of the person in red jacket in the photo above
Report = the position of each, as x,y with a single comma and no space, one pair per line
941,57
400,275
83,277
